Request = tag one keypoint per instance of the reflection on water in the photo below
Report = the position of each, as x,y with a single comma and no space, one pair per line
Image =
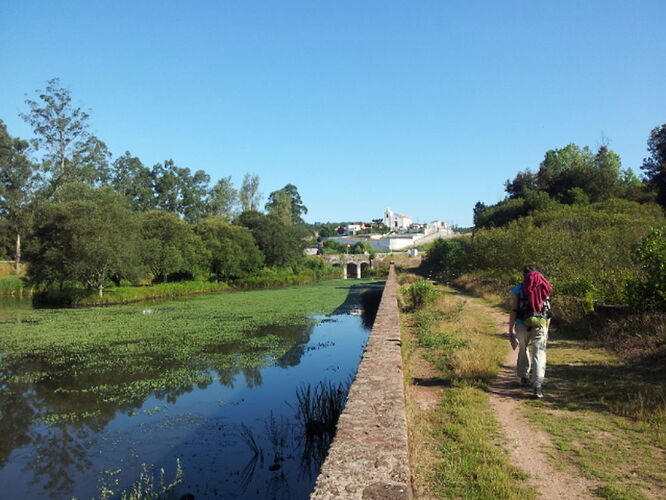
232,423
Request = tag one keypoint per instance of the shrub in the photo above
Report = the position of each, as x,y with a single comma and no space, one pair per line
449,257
420,293
585,251
647,290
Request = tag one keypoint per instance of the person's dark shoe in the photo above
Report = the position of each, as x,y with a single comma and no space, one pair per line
537,392
524,381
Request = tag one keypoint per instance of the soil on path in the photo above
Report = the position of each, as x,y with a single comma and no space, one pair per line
528,446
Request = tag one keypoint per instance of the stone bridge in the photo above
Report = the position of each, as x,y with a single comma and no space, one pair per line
352,265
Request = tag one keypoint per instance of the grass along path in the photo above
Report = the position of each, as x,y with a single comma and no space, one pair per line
451,353
528,444
598,433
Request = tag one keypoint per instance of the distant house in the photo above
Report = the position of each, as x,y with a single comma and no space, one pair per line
395,221
352,228
437,226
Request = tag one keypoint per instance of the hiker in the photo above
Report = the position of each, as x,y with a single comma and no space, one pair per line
528,326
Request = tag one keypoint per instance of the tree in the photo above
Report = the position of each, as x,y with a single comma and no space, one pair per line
87,236
233,251
279,206
133,179
286,204
60,129
361,247
523,182
327,230
282,245
166,186
599,176
479,208
222,198
91,162
194,191
179,191
17,178
249,194
169,246
654,166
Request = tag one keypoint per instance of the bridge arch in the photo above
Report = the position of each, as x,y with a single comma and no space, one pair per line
353,270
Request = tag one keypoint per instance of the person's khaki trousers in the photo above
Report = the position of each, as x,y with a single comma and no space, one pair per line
531,352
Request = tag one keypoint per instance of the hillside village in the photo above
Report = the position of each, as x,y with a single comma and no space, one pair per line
393,232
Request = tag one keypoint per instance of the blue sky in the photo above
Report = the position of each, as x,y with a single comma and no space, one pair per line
423,106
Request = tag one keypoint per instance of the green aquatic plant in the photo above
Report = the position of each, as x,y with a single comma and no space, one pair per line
145,487
319,407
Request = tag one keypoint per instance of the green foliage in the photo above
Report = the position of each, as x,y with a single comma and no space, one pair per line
647,291
232,249
89,241
327,230
169,246
449,258
17,183
569,175
319,408
333,247
500,214
360,247
419,294
281,244
277,277
13,285
133,179
222,198
61,132
585,250
178,190
145,488
286,205
249,194
655,165
76,297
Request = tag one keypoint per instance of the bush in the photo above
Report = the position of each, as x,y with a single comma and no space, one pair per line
647,291
419,294
449,258
585,251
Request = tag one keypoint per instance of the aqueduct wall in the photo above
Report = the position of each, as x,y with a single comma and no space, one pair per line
369,457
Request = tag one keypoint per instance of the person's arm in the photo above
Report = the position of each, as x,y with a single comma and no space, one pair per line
512,314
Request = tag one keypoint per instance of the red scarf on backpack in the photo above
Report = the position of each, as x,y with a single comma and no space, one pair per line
537,289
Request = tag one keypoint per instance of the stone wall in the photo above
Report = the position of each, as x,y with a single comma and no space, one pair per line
369,456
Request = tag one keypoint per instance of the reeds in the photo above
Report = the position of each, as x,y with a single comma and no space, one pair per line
319,407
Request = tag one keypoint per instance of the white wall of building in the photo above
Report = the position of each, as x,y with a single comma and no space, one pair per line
396,221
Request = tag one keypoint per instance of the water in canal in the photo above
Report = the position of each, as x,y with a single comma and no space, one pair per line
236,434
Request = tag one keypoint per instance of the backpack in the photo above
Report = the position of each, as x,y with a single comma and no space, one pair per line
525,314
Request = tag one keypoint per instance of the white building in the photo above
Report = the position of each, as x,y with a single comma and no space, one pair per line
437,226
395,221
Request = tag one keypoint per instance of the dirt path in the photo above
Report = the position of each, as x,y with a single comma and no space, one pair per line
527,445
